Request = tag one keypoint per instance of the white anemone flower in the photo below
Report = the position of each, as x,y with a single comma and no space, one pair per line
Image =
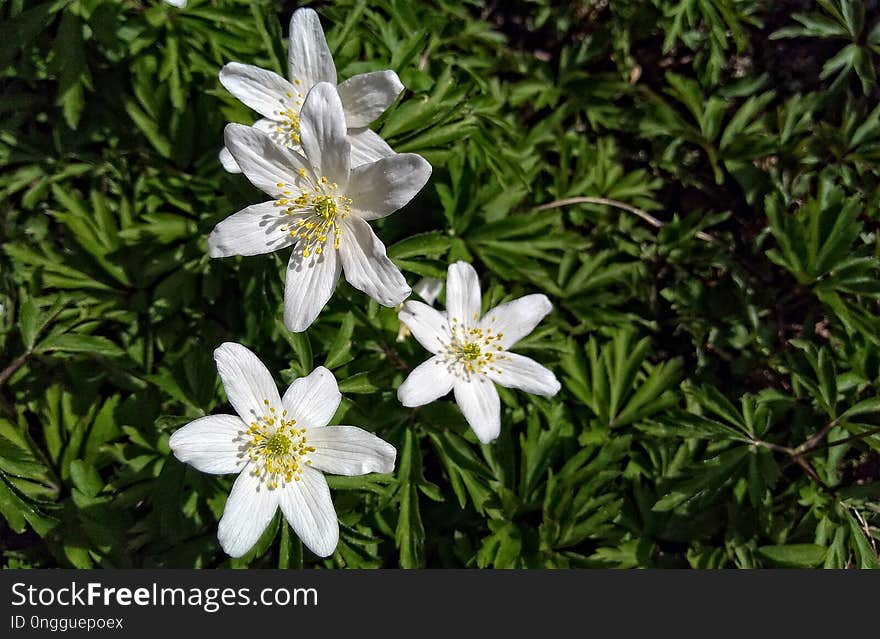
279,446
321,206
309,61
471,353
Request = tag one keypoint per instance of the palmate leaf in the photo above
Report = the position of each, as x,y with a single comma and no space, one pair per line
612,379
730,138
818,239
707,479
717,21
841,20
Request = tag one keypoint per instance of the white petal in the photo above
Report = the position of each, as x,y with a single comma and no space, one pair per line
516,371
180,4
349,450
367,266
323,136
212,444
249,509
428,288
366,96
462,294
480,405
254,230
307,506
312,399
516,319
308,56
262,90
262,161
228,162
248,384
428,381
382,187
367,146
427,324
308,285
265,125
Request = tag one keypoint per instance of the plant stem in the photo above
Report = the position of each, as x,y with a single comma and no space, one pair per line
847,440
647,217
17,363
796,455
814,441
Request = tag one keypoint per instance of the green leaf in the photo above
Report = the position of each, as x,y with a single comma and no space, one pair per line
78,343
410,533
340,350
69,51
794,555
866,556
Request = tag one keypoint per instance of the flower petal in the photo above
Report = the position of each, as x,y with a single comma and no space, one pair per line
308,56
248,384
262,90
367,146
307,506
308,285
367,266
254,230
212,444
349,450
312,400
366,96
480,405
382,187
249,509
514,320
524,373
262,161
323,135
427,382
428,288
462,294
267,126
228,162
427,324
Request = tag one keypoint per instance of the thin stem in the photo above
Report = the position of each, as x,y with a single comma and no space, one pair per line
814,441
796,455
10,370
847,440
775,447
805,465
647,217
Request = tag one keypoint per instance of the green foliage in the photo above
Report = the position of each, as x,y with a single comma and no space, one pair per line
715,287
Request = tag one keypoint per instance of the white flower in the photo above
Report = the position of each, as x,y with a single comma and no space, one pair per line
364,97
180,4
471,353
322,207
278,446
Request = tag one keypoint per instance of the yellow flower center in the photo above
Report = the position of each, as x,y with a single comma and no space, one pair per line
471,350
277,450
286,117
319,209
278,444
